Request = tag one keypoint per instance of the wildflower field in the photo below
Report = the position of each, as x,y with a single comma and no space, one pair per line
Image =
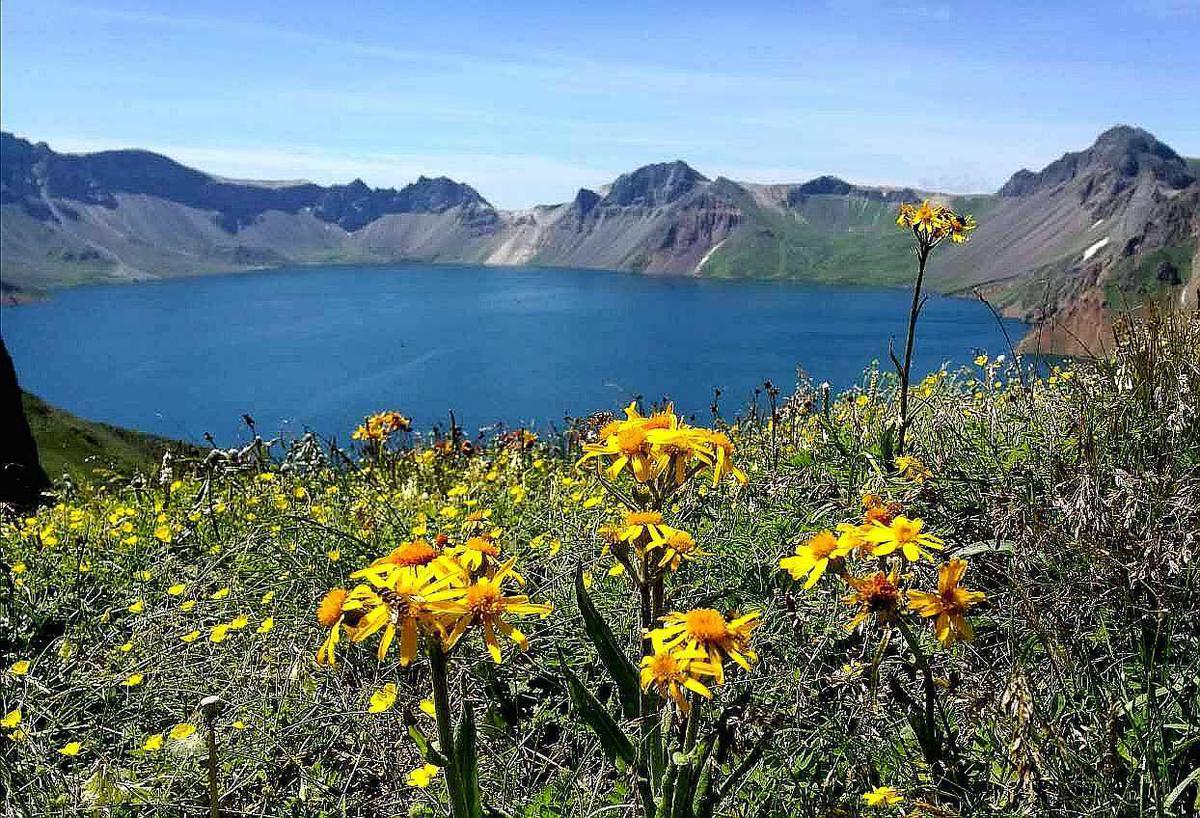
807,608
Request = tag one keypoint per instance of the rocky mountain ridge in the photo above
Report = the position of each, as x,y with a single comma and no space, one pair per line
1061,247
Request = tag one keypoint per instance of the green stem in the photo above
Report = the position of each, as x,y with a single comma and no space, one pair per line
439,673
906,366
683,800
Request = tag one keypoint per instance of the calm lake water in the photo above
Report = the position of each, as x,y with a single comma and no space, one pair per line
319,347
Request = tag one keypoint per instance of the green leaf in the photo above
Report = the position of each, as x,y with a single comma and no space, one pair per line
467,762
611,653
615,743
1183,785
427,750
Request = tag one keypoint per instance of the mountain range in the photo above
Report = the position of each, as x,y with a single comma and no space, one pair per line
1062,248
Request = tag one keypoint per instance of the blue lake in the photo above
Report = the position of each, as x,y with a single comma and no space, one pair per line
319,347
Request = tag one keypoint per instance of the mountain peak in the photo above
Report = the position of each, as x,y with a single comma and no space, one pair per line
1122,151
654,185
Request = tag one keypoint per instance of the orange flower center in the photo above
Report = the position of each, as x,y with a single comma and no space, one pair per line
906,530
330,609
631,441
485,600
643,518
681,541
417,552
664,667
706,626
823,545
483,546
880,593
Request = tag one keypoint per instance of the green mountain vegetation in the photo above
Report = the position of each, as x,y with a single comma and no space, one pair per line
84,450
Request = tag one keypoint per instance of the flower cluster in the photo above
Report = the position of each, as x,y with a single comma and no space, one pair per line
696,644
886,540
379,427
428,590
933,222
662,447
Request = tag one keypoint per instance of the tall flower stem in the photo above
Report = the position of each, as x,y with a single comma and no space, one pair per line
906,366
439,672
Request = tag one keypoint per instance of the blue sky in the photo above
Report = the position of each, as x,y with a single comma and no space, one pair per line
529,101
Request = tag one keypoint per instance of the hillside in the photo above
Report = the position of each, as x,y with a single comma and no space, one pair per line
81,448
1113,224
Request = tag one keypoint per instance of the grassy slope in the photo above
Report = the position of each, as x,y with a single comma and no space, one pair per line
833,239
72,445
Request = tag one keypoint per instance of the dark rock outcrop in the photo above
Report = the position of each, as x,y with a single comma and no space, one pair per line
22,479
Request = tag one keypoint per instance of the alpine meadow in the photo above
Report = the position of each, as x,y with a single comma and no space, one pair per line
551,410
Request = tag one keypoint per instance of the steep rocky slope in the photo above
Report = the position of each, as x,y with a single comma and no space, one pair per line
1114,224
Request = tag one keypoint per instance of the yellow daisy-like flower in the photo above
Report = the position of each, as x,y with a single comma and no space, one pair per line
71,748
406,605
913,469
422,776
133,680
19,667
812,558
639,527
707,631
628,447
904,534
181,731
674,672
11,719
341,610
676,545
949,604
483,604
153,742
883,797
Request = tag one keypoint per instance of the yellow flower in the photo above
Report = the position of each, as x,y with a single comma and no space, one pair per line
677,546
220,593
267,597
639,527
948,604
191,636
177,589
71,748
187,605
182,731
163,533
334,555
882,797
266,625
904,534
342,610
483,604
673,672
219,633
707,631
913,469
422,776
383,699
133,680
812,558
407,605
19,667
981,360
427,708
137,607
239,622
11,720
154,742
